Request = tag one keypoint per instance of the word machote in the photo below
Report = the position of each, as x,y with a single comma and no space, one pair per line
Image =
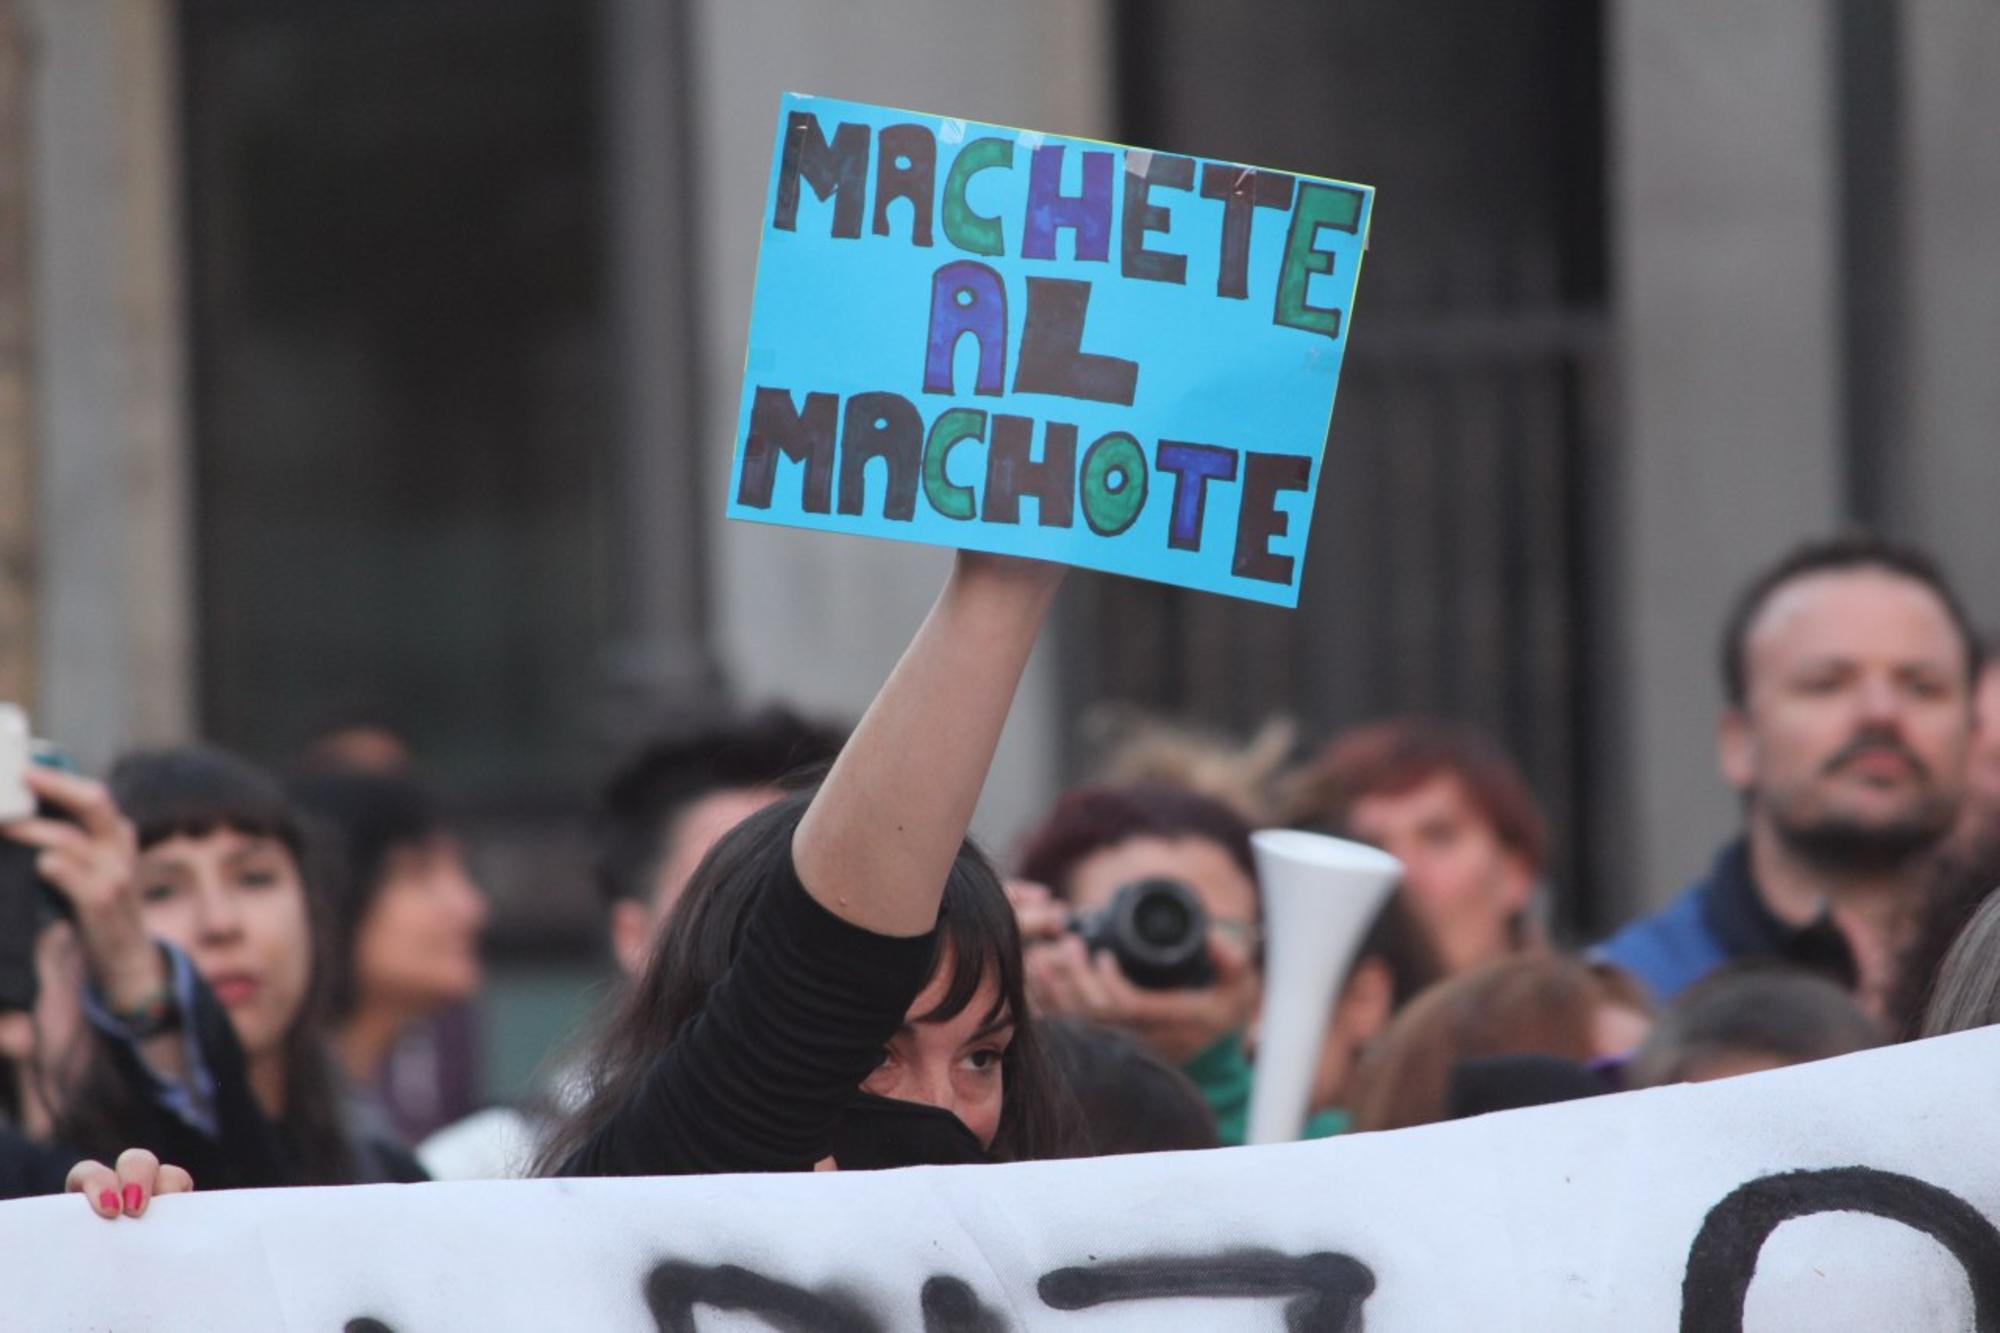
1016,342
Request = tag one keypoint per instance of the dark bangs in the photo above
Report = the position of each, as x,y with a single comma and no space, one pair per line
977,938
191,791
703,936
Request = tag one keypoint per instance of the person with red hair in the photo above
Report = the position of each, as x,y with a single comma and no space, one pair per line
1446,801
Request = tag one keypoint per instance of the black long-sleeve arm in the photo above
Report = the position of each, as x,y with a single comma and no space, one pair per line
757,1080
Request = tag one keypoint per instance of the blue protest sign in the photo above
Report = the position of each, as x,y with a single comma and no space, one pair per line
980,337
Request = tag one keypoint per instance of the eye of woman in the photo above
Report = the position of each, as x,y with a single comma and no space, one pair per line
257,876
257,869
985,1058
156,891
987,1049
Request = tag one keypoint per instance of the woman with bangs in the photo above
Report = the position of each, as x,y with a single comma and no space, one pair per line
178,1007
222,877
841,985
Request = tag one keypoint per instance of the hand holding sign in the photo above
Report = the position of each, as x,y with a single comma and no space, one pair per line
981,340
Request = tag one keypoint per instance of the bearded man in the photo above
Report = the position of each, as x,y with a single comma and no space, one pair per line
1847,668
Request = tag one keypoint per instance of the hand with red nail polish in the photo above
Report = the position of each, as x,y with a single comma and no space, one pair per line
126,1189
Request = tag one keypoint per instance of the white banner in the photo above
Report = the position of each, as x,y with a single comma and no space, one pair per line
1856,1194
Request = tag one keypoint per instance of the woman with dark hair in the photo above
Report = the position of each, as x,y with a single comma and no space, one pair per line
404,919
840,986
222,877
195,1034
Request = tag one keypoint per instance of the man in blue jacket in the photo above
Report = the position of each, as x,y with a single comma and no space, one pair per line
1847,670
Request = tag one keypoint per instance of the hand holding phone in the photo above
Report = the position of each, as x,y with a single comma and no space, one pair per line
73,854
16,801
88,853
20,887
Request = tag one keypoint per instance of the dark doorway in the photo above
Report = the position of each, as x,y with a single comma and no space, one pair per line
1451,569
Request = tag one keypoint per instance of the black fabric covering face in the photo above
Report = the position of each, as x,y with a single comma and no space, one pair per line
882,1133
758,1080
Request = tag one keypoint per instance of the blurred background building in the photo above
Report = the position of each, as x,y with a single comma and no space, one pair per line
375,361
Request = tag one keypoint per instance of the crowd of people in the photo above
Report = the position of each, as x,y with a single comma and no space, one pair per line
820,970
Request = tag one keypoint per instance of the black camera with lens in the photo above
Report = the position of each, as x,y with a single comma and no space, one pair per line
1157,929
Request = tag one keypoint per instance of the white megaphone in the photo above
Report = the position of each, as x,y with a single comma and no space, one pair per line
1320,896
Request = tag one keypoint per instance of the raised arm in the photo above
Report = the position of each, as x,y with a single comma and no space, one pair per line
824,976
881,836
92,863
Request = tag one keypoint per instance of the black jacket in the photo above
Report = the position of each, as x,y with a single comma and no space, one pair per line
27,1168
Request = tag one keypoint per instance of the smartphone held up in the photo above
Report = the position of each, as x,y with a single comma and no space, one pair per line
27,902
16,752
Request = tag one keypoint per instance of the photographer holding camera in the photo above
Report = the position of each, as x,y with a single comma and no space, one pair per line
1140,912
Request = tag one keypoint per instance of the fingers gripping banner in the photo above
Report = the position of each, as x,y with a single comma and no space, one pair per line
1855,1194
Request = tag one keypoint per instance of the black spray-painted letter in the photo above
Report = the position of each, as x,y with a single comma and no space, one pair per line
1326,1289
1724,1256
